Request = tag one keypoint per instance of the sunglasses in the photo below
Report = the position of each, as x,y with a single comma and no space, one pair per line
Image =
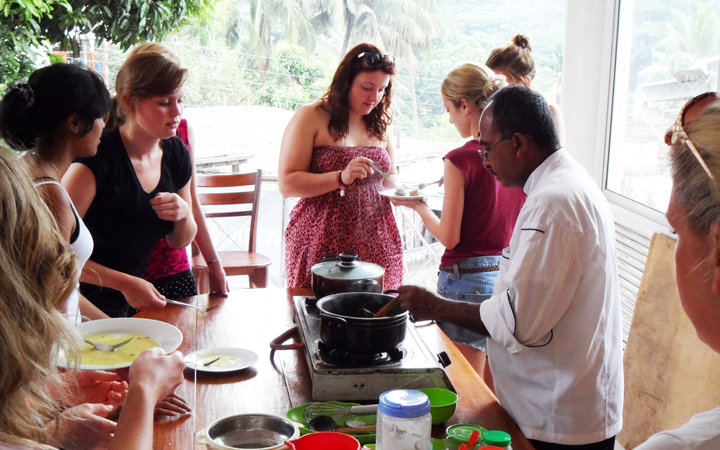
676,133
375,59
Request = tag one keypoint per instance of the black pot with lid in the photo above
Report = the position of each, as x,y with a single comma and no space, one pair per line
344,273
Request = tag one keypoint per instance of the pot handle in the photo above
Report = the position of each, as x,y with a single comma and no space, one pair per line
338,322
202,437
277,343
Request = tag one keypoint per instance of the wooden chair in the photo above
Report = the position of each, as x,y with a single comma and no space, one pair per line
226,197
670,375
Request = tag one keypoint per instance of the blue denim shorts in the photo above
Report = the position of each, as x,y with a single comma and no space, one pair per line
470,287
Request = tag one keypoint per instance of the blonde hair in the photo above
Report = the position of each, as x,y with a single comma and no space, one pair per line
514,59
150,70
692,188
39,271
471,82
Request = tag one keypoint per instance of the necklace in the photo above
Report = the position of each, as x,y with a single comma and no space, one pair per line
40,162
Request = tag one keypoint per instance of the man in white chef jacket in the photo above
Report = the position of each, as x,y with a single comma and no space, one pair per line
555,347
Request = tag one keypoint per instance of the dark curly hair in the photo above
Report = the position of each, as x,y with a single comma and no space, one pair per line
34,110
335,100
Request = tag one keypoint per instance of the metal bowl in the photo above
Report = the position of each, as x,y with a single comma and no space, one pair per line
249,431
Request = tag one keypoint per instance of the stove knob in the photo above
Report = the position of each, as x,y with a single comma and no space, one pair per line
444,359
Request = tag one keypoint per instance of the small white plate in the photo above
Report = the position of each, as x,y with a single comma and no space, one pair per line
231,359
390,193
167,337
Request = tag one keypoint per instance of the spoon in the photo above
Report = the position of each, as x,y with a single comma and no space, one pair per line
107,347
327,423
382,312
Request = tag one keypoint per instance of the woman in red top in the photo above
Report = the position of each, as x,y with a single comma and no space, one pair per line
478,213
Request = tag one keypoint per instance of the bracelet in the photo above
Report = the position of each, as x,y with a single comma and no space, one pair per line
341,184
216,260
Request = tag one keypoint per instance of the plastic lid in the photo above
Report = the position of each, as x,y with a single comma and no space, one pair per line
347,268
461,432
496,437
404,403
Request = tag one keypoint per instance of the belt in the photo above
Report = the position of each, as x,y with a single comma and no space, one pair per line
451,269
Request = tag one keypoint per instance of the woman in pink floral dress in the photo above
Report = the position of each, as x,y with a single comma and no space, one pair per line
325,159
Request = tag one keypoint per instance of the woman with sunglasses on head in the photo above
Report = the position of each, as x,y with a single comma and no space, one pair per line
54,118
325,159
516,63
136,190
694,214
478,213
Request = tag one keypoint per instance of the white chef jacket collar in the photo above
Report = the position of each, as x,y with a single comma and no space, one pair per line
549,162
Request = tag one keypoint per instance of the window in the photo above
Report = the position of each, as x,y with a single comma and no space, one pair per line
667,52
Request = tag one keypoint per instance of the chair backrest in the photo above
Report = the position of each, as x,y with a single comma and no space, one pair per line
231,195
670,374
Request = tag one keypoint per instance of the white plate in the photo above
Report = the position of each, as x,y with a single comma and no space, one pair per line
390,193
167,336
232,359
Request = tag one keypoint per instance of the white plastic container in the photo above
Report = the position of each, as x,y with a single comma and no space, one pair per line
403,419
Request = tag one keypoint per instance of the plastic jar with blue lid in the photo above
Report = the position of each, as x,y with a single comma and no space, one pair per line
403,419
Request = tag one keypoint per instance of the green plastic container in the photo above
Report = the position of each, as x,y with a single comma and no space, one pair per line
496,438
460,433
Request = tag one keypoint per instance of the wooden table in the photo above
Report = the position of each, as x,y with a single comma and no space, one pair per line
251,318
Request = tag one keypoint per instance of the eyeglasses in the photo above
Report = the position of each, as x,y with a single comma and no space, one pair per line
485,152
375,59
676,133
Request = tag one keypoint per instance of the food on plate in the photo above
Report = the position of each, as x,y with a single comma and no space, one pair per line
400,191
215,360
125,354
414,193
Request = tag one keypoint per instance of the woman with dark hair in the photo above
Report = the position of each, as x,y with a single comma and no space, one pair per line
54,118
325,159
136,190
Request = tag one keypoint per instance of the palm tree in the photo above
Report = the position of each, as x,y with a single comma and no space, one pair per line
257,20
400,27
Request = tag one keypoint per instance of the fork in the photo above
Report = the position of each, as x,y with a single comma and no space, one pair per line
107,347
386,176
424,185
199,308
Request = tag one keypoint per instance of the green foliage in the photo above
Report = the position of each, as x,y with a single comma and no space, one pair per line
31,28
21,39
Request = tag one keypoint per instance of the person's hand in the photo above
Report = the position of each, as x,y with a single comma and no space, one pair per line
357,168
85,426
97,386
172,405
217,280
421,303
142,295
170,206
157,373
412,204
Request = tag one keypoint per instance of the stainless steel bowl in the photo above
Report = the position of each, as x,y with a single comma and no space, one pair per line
249,431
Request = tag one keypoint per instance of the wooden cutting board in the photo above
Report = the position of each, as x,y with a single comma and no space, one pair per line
670,375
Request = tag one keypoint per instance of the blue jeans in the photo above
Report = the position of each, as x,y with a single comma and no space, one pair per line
470,287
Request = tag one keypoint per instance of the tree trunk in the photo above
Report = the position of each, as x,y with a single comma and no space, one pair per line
349,23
